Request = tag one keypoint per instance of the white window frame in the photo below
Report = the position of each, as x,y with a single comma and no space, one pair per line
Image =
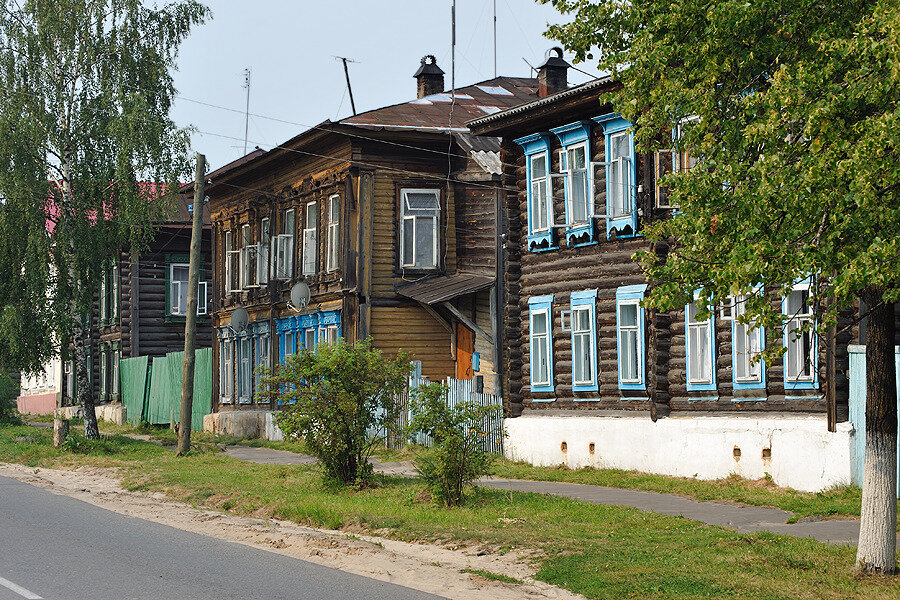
699,330
795,365
244,375
540,340
263,252
541,214
227,374
630,332
328,334
283,248
310,339
405,261
175,308
590,335
565,168
620,205
310,238
743,336
232,262
334,229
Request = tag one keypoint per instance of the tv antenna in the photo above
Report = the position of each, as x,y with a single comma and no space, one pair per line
247,109
347,76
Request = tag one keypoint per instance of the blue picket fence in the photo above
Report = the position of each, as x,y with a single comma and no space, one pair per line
858,412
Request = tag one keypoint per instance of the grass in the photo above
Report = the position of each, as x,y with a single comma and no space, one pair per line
492,576
599,551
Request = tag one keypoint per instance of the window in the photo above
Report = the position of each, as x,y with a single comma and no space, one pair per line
700,340
334,222
284,247
578,175
799,338
249,259
244,379
746,343
538,191
630,337
262,254
288,345
329,334
420,209
584,341
541,342
226,376
671,160
260,360
309,238
539,184
116,359
621,168
104,371
232,265
309,339
70,379
179,280
574,163
109,294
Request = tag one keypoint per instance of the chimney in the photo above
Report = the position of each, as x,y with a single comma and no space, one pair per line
429,77
552,74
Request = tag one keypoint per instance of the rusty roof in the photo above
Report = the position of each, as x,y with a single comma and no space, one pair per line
441,288
433,113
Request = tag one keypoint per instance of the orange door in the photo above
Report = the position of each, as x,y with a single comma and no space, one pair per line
465,347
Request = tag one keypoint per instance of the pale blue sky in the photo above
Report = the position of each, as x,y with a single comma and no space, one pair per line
290,48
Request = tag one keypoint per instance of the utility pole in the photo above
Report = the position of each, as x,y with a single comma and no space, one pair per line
453,48
247,110
190,326
347,76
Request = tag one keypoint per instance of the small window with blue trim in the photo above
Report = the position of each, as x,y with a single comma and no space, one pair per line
539,191
748,368
621,176
800,358
541,343
630,337
700,351
583,324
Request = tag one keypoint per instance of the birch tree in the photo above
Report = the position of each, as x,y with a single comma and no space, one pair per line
792,110
90,160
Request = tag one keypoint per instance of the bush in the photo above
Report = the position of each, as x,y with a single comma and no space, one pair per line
340,400
458,457
8,392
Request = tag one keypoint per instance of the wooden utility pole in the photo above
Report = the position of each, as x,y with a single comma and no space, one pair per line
190,327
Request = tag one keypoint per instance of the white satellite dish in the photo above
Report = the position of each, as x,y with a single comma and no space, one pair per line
240,318
300,295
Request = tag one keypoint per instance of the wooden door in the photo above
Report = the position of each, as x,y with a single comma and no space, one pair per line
465,347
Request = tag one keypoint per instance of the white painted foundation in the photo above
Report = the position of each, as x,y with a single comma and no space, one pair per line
803,454
243,423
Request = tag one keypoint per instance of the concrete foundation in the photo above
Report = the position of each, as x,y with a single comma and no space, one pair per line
243,423
111,413
796,451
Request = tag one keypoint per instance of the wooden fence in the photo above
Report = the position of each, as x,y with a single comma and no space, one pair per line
458,391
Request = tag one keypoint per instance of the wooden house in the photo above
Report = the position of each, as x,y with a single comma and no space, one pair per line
140,307
595,379
389,217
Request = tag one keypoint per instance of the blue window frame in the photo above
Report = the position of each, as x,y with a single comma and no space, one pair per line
746,344
305,331
539,191
700,349
630,335
226,365
583,320
540,321
576,171
801,357
621,176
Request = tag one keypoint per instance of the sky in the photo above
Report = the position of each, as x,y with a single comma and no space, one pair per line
296,82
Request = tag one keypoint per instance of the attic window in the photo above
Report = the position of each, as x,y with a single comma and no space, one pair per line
445,97
490,109
496,90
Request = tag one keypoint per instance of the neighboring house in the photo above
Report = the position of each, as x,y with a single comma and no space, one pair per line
390,217
39,393
140,306
596,379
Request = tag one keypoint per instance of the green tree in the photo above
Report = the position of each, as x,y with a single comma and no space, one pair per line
792,109
85,94
9,389
457,458
341,399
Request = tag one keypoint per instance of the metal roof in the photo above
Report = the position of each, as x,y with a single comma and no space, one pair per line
441,288
434,112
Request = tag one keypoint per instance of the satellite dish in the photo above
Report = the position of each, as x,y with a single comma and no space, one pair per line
240,318
300,295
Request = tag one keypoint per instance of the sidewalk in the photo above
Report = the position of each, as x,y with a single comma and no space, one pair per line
746,519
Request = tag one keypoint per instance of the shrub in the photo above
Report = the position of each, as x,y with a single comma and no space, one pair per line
458,457
8,392
340,399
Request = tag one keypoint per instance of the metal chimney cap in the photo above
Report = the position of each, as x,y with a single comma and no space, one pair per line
554,61
429,66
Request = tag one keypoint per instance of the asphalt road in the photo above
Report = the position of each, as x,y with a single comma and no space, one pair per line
59,548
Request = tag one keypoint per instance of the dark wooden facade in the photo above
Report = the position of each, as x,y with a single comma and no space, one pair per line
365,164
605,264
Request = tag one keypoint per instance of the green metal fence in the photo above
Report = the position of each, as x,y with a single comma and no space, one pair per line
151,391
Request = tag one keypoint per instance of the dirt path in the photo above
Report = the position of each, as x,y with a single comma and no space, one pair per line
426,567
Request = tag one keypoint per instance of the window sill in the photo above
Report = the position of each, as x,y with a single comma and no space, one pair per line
582,234
588,387
801,385
623,226
701,387
749,385
633,386
541,242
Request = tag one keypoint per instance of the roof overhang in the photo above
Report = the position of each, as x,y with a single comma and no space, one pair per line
442,288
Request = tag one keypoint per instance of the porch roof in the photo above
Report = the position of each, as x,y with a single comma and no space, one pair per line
441,288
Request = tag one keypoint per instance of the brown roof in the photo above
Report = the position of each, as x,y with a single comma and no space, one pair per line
433,113
441,288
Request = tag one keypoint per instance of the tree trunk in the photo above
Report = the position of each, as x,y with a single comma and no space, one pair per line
878,515
85,395
60,431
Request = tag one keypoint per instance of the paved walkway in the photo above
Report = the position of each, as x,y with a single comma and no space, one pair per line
746,519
